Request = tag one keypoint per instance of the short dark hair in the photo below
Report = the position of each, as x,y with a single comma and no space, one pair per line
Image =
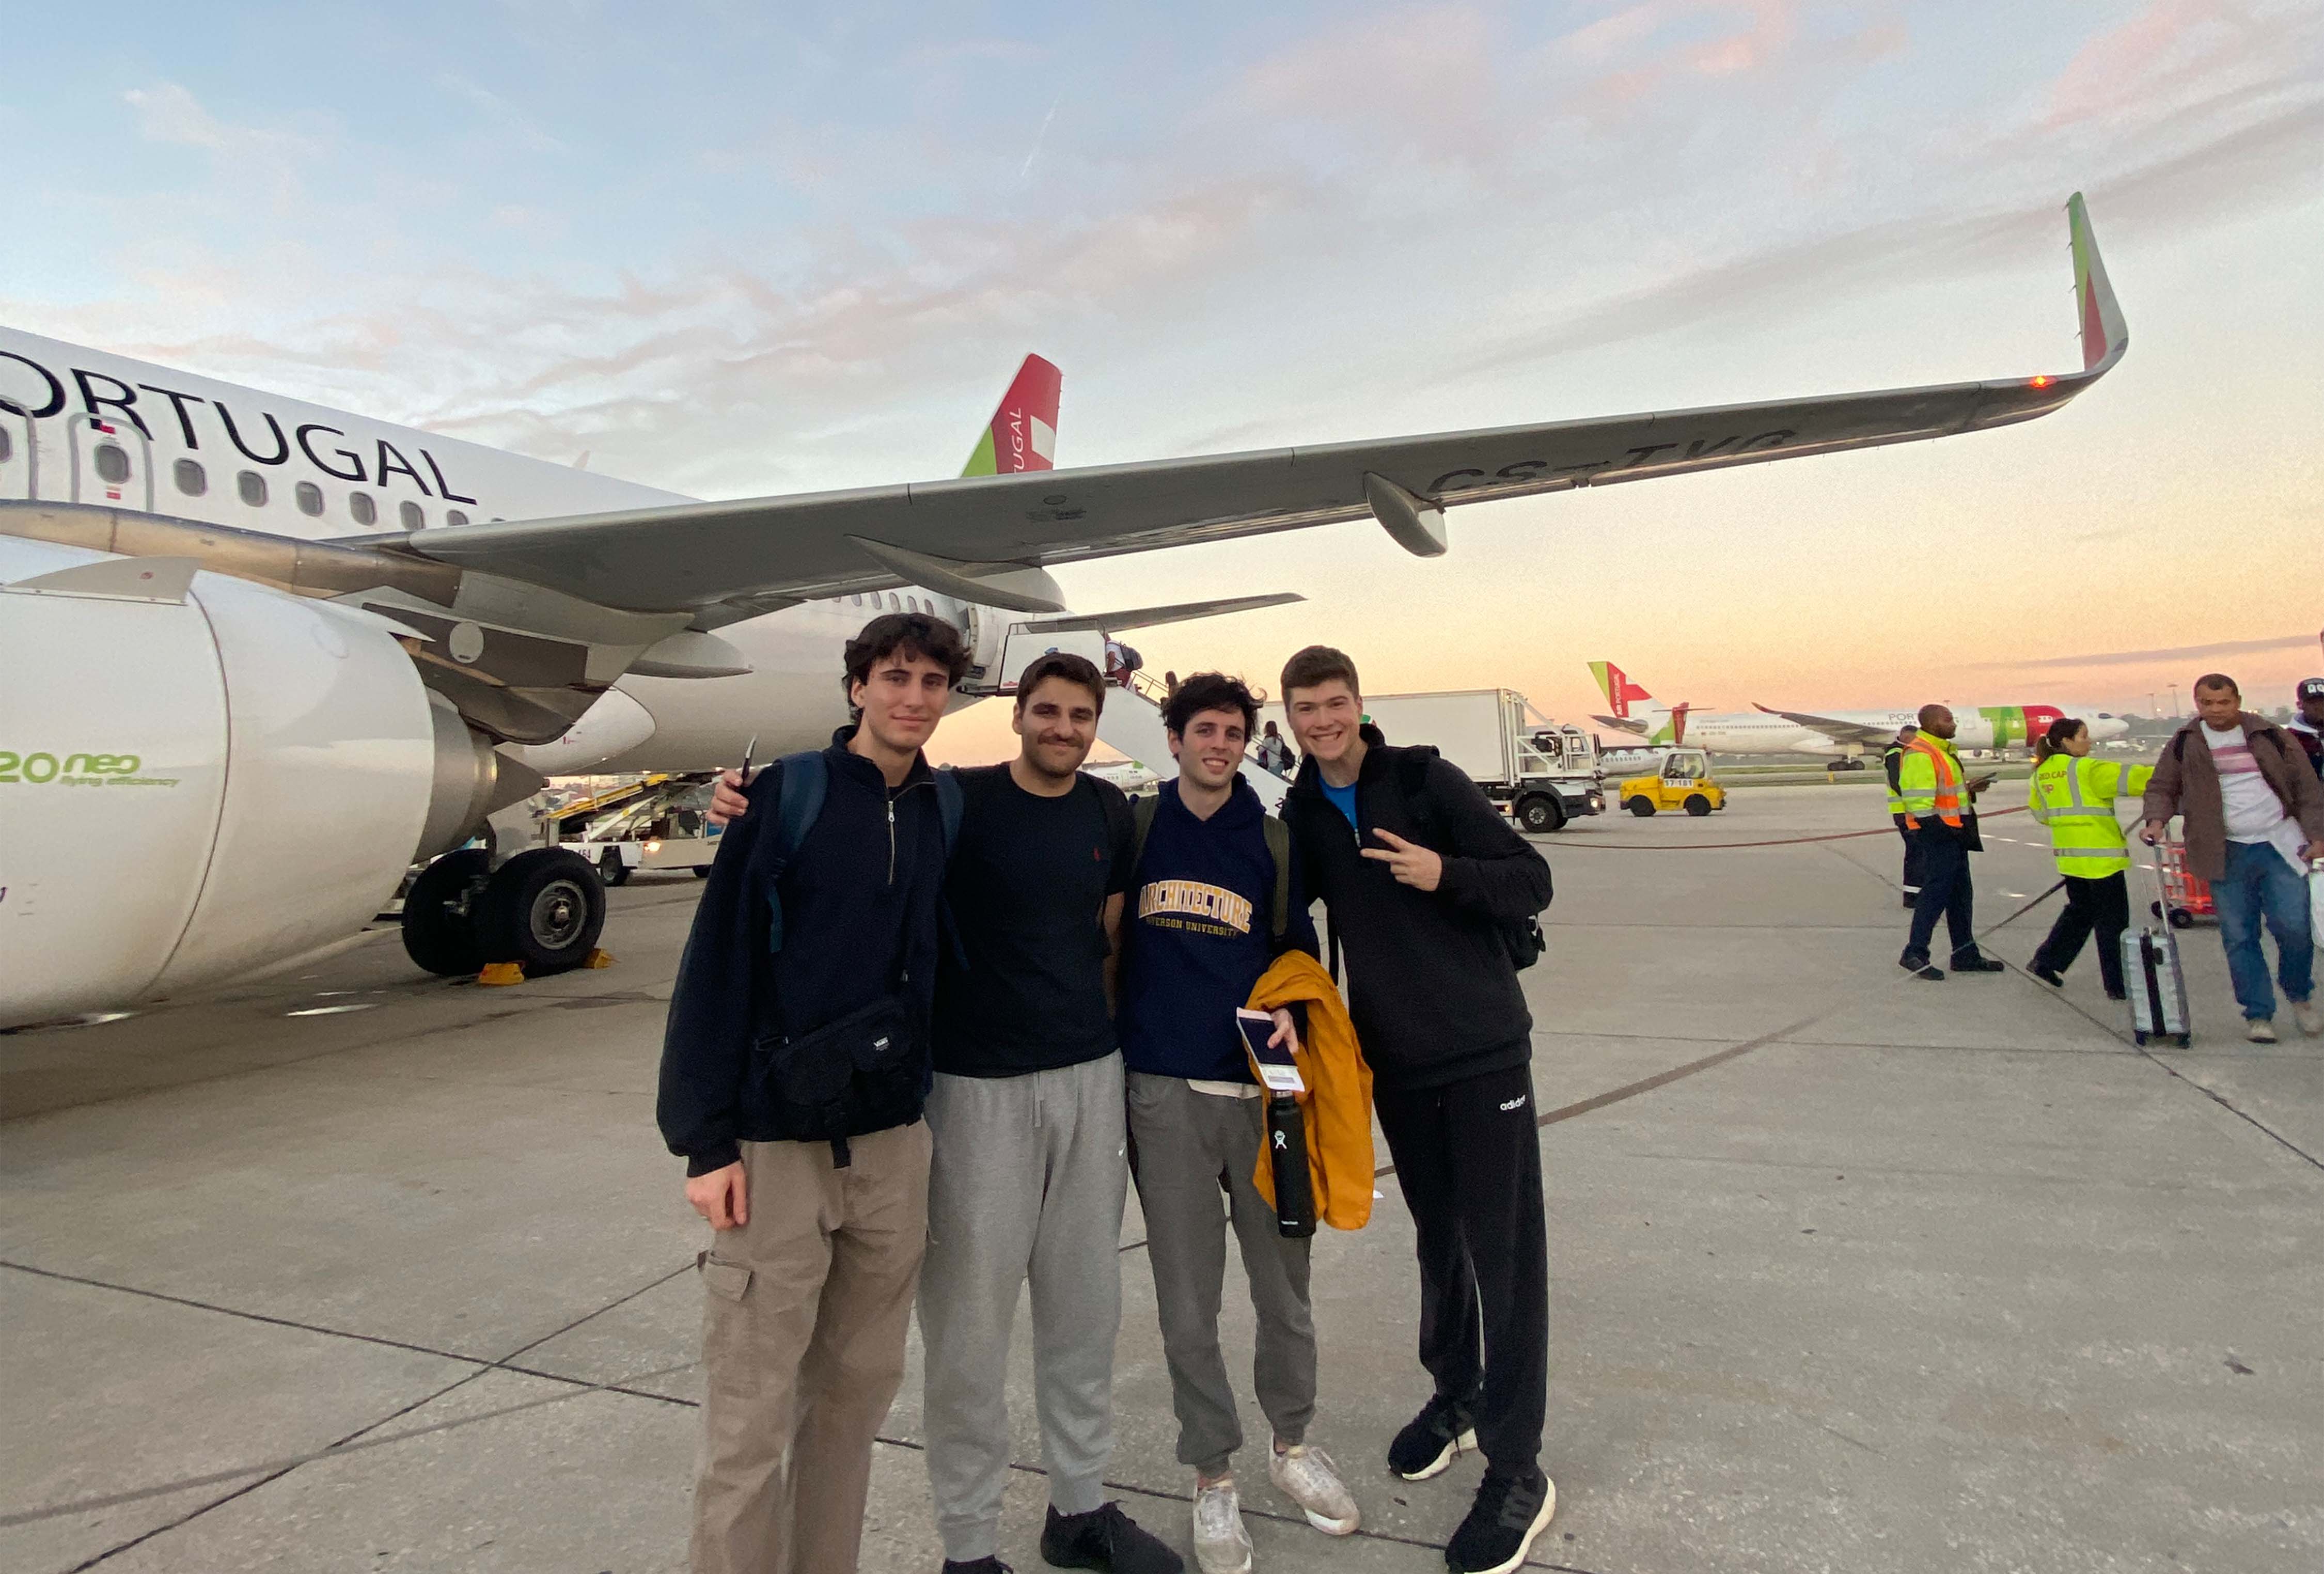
2219,680
1210,691
1062,664
905,633
1316,665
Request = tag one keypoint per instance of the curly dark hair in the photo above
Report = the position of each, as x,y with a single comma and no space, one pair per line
912,634
1210,691
1067,666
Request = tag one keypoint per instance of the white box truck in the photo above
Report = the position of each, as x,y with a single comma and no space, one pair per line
1541,773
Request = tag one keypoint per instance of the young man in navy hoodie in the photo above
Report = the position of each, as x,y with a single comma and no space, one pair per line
817,1244
1200,935
1425,882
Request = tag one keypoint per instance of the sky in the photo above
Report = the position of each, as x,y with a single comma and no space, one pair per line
734,249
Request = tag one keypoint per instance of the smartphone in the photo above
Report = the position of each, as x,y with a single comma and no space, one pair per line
1276,1069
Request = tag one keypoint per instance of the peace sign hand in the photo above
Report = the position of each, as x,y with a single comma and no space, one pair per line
1412,864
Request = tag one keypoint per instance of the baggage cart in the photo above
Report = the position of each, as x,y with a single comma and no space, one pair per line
2186,894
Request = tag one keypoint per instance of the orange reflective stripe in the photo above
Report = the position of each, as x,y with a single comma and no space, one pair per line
1947,795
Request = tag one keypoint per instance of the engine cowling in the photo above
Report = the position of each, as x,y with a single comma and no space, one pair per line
192,789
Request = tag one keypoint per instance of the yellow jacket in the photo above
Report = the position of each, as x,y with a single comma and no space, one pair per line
1337,1103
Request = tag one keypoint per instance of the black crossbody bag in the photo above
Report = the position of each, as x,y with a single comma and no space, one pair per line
847,1078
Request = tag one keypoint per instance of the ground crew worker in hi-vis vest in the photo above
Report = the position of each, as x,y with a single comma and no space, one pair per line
1892,760
1939,806
2074,795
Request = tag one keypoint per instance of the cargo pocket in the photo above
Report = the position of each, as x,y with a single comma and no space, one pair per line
726,1341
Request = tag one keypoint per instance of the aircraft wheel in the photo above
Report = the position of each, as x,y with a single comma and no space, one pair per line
610,868
1641,806
1697,804
439,914
544,908
1540,814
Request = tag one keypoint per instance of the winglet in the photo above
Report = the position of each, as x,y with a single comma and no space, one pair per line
2104,335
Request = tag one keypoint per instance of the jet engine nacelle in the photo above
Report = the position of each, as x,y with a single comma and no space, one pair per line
195,788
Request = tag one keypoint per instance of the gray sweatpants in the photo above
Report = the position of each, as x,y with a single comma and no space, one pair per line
1028,1183
1193,1147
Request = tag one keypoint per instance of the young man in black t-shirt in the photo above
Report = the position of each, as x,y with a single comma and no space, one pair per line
1030,1168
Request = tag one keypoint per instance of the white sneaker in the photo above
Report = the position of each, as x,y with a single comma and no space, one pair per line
2311,1019
2260,1030
1306,1475
1221,1546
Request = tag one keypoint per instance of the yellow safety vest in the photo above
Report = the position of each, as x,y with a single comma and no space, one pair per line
2075,799
1929,781
1887,764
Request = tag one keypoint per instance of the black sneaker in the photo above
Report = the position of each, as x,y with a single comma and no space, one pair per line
1919,967
1431,1440
1105,1538
1509,1512
1979,963
986,1565
2046,974
2117,995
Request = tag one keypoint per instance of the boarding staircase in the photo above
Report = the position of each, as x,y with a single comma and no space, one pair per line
1132,724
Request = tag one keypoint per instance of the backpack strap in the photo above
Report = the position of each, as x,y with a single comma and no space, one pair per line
948,807
807,779
1141,825
1279,847
1121,818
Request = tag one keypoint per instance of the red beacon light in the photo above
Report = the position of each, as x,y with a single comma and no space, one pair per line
2042,382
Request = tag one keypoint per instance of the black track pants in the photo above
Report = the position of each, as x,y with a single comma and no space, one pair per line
1468,1157
2099,907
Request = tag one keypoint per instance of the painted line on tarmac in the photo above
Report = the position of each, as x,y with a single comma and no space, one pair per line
1775,841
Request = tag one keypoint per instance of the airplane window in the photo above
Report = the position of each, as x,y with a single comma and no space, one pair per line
413,520
252,487
454,517
310,500
112,464
856,600
359,503
6,446
189,475
895,605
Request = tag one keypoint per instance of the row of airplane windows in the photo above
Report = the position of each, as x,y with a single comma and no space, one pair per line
112,468
894,603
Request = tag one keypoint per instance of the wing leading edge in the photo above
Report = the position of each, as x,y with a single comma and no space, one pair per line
712,558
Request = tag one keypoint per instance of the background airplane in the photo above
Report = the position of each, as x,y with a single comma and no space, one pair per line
1842,735
263,655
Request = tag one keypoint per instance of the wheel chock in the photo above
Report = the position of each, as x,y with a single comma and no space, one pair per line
502,973
599,957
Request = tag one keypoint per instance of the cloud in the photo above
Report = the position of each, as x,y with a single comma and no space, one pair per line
2175,653
497,111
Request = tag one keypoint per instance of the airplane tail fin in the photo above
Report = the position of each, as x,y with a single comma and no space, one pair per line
1023,432
1636,710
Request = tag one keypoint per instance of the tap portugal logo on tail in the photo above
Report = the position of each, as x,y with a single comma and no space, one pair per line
1652,721
1023,434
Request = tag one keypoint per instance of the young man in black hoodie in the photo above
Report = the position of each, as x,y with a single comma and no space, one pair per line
1201,931
805,961
1424,879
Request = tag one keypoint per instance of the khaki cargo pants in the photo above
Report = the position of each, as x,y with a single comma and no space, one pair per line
806,1309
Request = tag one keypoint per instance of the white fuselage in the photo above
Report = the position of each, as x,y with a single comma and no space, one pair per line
199,449
1757,732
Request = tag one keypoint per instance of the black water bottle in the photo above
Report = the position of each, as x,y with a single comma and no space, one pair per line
1286,1148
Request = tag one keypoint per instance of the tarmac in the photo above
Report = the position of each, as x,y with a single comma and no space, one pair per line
357,1269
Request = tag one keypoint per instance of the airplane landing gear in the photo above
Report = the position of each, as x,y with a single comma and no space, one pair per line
544,908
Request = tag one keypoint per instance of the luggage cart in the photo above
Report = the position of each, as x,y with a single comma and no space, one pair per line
2186,894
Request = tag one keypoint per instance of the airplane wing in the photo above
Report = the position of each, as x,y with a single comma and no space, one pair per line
1831,727
722,561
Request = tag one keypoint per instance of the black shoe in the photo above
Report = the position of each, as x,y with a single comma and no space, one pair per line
1431,1440
1106,1539
2047,974
982,1565
1979,964
2117,995
1509,1512
1917,964
1909,900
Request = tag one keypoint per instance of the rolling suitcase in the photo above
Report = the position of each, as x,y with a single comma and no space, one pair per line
2152,975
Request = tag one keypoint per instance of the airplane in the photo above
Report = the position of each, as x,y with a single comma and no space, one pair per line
265,657
1844,735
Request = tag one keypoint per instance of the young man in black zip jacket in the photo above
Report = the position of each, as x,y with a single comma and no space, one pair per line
817,1244
1421,875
